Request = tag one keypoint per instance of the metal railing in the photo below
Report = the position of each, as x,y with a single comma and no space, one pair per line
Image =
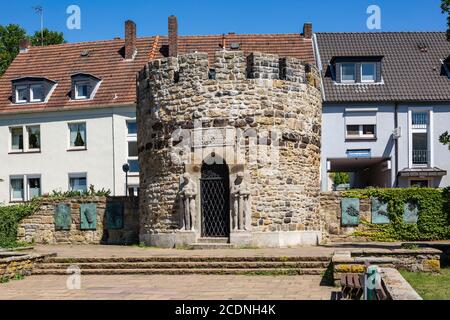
420,157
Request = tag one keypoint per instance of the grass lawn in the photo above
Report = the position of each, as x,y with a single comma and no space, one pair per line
430,286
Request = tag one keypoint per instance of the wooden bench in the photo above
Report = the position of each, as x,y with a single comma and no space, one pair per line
353,287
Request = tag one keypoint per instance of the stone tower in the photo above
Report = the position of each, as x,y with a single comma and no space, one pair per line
230,150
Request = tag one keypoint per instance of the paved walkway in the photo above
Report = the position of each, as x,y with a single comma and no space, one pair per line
160,287
97,251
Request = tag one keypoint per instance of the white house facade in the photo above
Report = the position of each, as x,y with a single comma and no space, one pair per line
68,118
386,103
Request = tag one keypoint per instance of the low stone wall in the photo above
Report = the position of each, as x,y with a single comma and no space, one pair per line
12,264
420,260
397,287
330,209
40,227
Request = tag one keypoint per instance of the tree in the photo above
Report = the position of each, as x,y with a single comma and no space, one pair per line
445,139
10,37
445,6
50,38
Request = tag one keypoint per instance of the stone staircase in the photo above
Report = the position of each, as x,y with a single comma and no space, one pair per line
186,265
211,243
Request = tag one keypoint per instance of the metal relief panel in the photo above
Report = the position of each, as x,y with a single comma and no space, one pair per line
114,215
411,212
63,218
380,212
88,216
350,212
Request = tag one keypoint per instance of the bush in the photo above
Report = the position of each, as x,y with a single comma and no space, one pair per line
434,212
10,216
341,178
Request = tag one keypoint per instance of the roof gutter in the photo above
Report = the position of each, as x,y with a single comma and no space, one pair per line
74,108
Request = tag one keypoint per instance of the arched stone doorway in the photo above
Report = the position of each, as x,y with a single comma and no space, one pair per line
215,200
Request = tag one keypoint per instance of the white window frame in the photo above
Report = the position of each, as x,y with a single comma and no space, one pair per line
77,84
28,177
374,75
342,72
11,150
77,175
135,188
32,99
23,87
361,134
17,177
75,148
131,135
28,149
429,130
131,138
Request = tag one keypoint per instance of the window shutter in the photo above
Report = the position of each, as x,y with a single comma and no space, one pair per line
358,72
378,66
13,96
337,72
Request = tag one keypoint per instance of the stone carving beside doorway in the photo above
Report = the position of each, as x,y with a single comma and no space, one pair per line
187,195
240,193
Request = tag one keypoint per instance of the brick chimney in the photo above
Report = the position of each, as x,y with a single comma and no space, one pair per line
307,30
130,40
24,45
173,36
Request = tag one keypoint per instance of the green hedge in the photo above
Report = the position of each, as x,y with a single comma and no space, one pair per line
434,214
10,216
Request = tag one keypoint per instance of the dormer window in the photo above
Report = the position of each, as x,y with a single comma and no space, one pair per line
348,71
21,94
356,70
368,72
84,86
81,90
36,93
32,90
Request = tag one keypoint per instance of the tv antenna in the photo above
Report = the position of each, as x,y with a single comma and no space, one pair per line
40,11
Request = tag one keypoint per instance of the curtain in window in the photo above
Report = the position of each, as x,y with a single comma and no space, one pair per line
34,137
77,135
35,187
17,188
78,184
17,139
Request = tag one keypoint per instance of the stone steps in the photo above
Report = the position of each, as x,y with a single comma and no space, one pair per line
206,265
213,240
189,259
259,271
210,246
189,265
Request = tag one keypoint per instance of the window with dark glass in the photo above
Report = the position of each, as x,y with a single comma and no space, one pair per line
368,72
348,72
34,137
77,135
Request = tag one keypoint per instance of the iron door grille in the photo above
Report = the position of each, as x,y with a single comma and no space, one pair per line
215,194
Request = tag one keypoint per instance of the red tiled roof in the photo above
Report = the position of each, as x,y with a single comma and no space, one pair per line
118,76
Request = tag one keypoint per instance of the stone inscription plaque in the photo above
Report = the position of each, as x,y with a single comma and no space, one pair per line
350,212
213,137
114,215
380,212
63,218
88,216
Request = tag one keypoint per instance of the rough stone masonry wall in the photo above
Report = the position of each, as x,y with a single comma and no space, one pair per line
330,209
40,227
262,92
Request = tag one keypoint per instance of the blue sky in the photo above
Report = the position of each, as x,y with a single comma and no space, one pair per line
102,19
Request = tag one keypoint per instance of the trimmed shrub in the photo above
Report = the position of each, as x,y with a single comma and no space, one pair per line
434,214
